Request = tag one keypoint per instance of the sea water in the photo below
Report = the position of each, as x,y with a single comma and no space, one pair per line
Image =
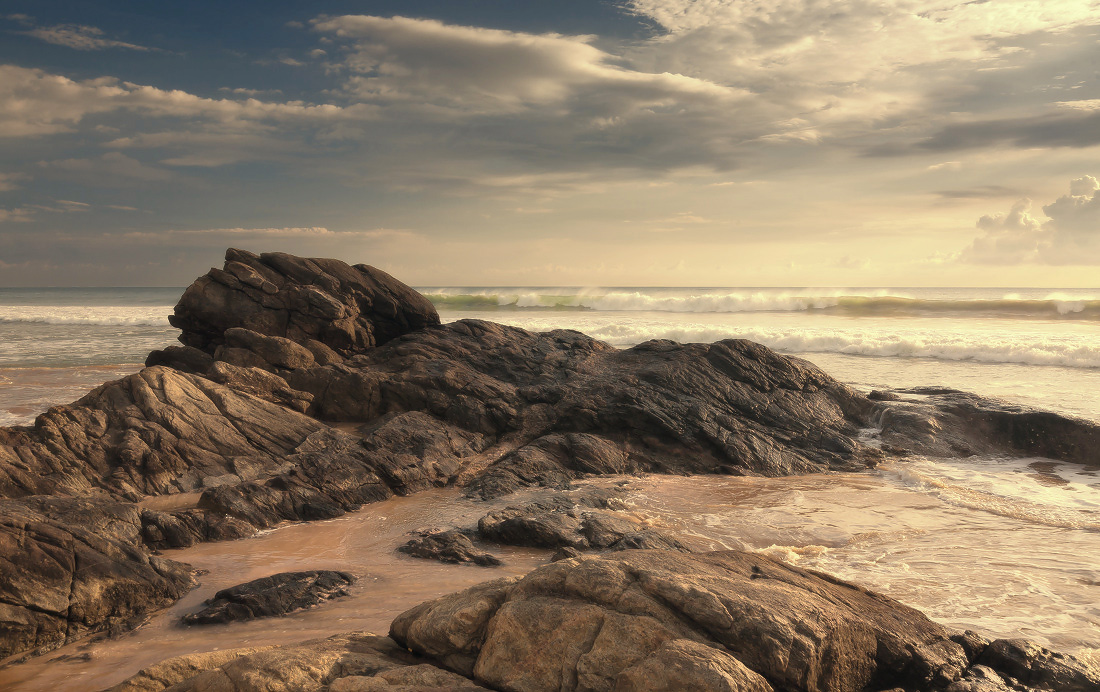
1005,546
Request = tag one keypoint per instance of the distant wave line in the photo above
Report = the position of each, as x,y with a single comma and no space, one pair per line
1052,307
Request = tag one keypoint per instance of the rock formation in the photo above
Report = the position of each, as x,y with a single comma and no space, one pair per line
318,305
278,349
277,594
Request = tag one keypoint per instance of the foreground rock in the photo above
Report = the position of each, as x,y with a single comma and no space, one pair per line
70,567
344,663
652,620
278,594
649,621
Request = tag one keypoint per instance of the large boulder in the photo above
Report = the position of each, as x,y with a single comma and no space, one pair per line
655,620
344,308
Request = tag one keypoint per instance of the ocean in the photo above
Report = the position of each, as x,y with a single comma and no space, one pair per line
1003,546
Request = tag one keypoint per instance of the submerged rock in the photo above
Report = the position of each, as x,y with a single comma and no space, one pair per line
584,520
277,594
450,546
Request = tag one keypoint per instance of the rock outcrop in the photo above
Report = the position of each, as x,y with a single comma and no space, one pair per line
72,566
655,620
950,423
321,305
448,546
277,594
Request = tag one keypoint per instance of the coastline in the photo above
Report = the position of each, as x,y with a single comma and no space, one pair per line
452,393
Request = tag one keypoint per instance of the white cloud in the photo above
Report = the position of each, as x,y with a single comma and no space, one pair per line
79,37
490,71
1071,234
34,102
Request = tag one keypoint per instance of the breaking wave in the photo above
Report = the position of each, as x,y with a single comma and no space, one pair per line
839,301
143,316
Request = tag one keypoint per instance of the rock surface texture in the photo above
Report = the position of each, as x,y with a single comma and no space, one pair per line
300,303
646,621
278,594
305,388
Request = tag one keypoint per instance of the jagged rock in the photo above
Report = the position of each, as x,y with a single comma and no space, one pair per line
1033,665
343,663
582,520
277,594
342,307
568,405
451,546
947,422
155,432
655,620
185,528
73,566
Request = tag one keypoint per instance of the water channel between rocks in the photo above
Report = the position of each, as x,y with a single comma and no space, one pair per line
1005,547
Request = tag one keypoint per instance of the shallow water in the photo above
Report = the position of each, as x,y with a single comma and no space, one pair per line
362,543
939,536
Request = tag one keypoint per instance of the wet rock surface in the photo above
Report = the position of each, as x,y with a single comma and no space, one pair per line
70,567
657,620
345,663
277,594
450,546
590,519
947,422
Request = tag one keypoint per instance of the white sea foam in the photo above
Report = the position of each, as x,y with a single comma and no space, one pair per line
850,302
977,347
150,316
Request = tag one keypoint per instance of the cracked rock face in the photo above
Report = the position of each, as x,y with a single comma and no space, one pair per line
70,567
308,301
655,620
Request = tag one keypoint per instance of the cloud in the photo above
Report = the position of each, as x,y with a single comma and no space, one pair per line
10,181
34,102
16,215
478,70
981,192
1071,234
1077,130
112,169
305,232
79,37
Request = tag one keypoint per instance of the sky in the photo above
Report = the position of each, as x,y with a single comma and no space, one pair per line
565,143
